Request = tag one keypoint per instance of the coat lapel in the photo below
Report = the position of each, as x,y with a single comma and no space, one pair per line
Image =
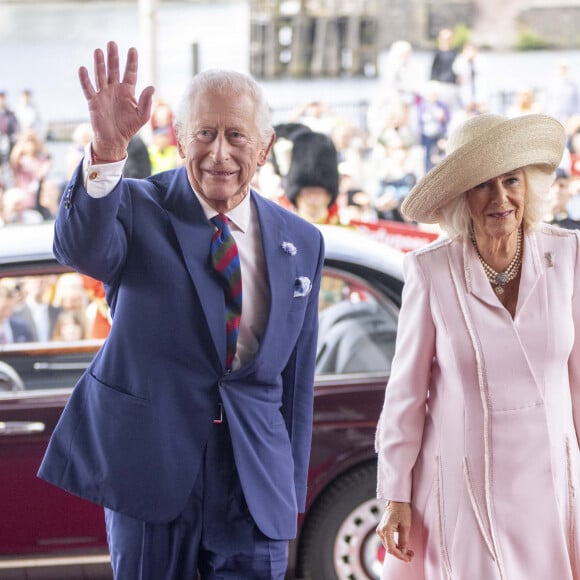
532,270
281,267
477,283
194,235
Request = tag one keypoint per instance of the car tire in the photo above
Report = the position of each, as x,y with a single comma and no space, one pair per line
339,540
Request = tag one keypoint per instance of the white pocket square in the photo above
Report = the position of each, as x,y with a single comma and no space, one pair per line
302,286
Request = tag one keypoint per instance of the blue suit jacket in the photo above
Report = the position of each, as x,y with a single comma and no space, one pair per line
132,435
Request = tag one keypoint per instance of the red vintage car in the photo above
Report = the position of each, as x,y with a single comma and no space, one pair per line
47,533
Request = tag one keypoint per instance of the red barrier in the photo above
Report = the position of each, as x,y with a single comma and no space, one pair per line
405,237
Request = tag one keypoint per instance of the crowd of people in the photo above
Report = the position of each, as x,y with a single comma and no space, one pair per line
64,307
404,136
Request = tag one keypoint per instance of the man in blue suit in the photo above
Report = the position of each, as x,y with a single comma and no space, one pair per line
202,468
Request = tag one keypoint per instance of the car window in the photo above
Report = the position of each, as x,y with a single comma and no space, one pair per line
50,327
357,326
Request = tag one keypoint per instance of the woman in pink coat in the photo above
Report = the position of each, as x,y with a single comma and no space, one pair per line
477,443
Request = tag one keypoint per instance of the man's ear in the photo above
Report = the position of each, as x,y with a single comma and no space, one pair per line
263,157
180,151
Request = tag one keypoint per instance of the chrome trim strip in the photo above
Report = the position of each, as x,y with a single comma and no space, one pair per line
43,562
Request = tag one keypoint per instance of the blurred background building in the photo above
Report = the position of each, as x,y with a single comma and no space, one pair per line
337,37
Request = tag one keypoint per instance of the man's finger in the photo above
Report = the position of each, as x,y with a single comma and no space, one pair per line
100,69
112,63
86,84
145,103
131,68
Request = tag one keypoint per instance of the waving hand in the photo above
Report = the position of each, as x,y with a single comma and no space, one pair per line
116,115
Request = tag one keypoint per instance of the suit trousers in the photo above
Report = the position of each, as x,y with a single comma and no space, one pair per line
214,538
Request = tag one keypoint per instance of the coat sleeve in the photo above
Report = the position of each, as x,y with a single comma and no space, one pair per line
400,428
91,234
574,360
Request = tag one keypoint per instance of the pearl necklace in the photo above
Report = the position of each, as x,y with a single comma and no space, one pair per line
500,279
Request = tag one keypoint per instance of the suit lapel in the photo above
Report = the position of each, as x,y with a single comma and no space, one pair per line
532,270
476,281
194,235
281,267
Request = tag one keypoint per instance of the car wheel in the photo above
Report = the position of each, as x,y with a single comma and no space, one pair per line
339,540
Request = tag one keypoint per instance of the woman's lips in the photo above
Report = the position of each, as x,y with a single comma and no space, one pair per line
500,215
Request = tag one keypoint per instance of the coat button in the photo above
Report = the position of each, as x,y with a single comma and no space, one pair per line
93,175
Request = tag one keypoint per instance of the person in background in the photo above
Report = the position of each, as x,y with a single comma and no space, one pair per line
28,114
9,129
81,136
433,118
525,102
68,327
356,206
199,404
16,207
472,75
269,178
316,115
563,95
69,294
49,198
162,117
162,154
442,70
562,194
30,162
98,311
478,438
12,329
37,312
138,164
312,182
400,78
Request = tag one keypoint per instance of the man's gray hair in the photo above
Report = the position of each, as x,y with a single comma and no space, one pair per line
227,82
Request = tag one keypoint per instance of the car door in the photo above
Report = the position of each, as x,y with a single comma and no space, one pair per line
39,365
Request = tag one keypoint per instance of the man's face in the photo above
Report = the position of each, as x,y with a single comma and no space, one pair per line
222,148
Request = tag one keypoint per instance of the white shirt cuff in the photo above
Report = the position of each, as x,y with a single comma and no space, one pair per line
100,179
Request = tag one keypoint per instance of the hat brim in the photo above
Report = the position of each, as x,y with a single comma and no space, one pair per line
534,139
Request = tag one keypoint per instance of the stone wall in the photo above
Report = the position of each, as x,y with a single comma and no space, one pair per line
493,23
560,26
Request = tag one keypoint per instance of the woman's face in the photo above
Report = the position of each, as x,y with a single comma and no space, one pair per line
496,207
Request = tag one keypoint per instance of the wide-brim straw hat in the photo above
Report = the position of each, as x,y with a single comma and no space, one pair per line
482,148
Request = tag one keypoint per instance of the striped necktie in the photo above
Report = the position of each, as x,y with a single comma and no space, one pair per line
226,261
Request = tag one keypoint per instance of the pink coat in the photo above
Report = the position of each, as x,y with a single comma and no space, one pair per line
481,421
